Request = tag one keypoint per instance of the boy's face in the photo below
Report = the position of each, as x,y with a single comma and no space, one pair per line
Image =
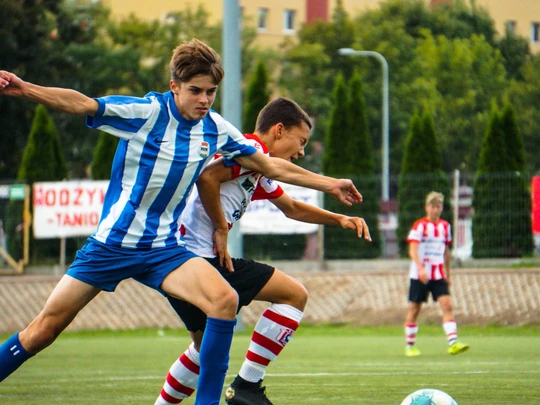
289,143
434,210
194,97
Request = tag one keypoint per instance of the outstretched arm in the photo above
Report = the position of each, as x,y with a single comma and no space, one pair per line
65,100
209,188
303,212
279,169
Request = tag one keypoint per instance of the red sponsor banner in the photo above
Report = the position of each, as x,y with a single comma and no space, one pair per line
67,208
536,205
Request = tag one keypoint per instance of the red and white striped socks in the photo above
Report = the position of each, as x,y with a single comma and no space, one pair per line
182,378
273,331
411,329
450,327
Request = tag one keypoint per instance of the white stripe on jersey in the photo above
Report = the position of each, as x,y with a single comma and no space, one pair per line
135,150
433,239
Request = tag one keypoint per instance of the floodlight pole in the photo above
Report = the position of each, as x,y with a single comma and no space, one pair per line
231,106
385,115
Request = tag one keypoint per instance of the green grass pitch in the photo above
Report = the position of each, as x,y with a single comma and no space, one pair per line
322,365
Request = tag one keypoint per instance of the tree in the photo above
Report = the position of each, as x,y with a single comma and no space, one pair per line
310,66
257,96
463,76
515,51
42,160
362,165
335,160
524,96
349,153
501,199
421,172
103,156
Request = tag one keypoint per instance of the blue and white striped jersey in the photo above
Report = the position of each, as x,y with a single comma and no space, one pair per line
158,160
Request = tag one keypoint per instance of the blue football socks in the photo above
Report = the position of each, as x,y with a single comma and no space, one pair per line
214,358
12,355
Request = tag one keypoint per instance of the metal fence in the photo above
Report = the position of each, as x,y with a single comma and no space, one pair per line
15,227
310,247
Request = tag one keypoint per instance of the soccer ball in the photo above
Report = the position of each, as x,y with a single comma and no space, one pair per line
428,396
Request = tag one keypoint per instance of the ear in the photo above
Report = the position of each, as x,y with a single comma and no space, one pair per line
173,86
278,130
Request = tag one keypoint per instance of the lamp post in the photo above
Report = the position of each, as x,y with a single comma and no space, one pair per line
231,105
385,140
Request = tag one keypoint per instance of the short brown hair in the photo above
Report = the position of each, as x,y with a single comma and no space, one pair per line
283,110
195,58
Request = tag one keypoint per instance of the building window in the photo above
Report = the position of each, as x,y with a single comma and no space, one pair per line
535,33
288,21
262,19
511,26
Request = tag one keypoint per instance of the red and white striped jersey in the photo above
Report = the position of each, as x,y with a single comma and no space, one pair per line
432,238
245,186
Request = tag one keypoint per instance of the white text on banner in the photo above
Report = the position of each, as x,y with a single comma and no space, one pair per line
67,208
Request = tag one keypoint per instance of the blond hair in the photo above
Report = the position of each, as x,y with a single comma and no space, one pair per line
434,197
195,58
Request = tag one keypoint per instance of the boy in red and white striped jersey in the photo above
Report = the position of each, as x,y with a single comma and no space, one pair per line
429,241
282,131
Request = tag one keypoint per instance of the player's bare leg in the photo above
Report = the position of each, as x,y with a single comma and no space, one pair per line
411,329
182,378
199,283
67,299
450,326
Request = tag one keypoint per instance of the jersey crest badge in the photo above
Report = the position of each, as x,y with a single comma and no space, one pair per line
204,150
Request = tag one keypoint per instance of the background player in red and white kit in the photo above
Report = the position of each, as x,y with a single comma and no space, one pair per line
429,241
282,130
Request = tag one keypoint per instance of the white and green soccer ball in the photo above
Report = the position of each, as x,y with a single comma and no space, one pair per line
428,396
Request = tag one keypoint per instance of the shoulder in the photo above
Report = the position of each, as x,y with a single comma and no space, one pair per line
223,126
419,223
253,140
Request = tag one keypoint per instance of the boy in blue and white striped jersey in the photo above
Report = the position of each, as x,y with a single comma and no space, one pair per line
166,141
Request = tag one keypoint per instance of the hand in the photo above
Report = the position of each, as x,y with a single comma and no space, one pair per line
356,224
10,85
220,248
422,275
448,281
345,192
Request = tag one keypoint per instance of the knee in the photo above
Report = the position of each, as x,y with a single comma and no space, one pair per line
41,333
301,297
226,304
447,307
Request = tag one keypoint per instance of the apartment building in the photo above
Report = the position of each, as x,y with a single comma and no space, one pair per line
278,19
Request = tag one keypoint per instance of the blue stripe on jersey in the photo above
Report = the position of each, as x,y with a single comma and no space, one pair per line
117,172
176,172
132,125
146,167
211,136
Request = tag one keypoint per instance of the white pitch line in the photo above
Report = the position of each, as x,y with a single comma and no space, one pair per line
278,375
